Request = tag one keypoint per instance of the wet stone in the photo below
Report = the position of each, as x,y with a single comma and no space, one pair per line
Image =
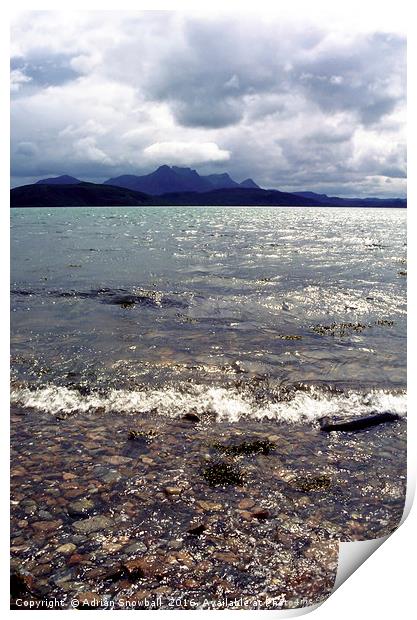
136,547
80,507
67,548
46,526
93,524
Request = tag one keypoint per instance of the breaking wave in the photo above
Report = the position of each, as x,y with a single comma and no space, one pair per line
304,406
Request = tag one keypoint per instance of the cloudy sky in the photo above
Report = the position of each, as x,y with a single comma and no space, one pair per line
291,104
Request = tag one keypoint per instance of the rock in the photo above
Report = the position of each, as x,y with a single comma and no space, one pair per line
327,425
260,513
111,477
46,526
191,417
44,514
118,460
150,567
20,584
67,548
210,505
80,507
226,556
93,524
147,461
196,528
245,503
68,476
76,558
136,547
172,490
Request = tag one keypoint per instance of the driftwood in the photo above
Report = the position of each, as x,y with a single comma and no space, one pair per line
327,424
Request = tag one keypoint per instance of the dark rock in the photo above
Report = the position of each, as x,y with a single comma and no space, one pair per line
327,425
260,513
196,528
192,417
80,508
21,584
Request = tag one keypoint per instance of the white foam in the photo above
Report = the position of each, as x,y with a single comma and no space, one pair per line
225,404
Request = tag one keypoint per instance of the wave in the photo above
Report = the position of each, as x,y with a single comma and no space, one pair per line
303,406
118,297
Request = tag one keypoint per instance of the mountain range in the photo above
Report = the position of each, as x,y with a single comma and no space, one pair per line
172,185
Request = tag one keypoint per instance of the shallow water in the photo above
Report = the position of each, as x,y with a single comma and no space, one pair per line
257,321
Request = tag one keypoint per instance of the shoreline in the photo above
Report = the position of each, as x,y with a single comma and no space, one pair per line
128,508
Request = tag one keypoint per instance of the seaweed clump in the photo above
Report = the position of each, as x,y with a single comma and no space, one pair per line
339,329
221,473
311,483
258,446
144,436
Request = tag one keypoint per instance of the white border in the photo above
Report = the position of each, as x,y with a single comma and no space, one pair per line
384,585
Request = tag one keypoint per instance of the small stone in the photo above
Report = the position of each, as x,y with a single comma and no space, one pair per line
172,490
210,505
111,477
80,507
146,567
93,524
118,460
260,513
75,559
191,417
196,528
245,503
68,476
67,548
136,547
46,526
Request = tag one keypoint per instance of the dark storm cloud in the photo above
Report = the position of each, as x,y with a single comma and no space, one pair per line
294,106
368,79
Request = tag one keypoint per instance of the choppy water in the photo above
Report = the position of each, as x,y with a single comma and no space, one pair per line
259,322
280,313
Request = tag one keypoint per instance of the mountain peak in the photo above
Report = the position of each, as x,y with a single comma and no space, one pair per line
64,179
249,183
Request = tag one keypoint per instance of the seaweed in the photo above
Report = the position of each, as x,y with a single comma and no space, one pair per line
221,473
257,446
311,483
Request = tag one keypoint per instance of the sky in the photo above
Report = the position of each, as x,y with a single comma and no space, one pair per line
293,104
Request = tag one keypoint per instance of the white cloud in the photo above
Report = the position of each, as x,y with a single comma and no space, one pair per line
185,153
97,94
17,78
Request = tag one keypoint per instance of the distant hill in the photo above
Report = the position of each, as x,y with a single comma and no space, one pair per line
64,179
235,197
92,195
175,179
76,195
335,201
